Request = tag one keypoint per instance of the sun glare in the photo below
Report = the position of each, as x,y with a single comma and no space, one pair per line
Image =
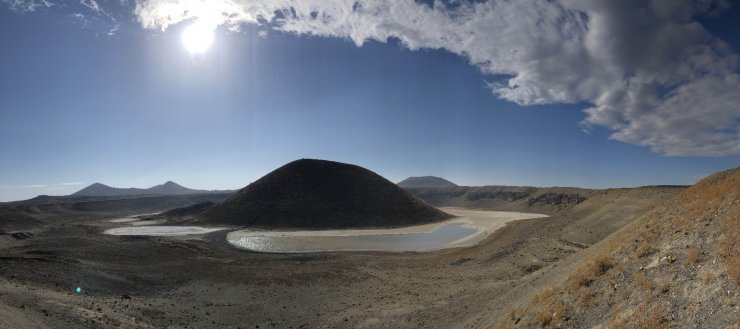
197,38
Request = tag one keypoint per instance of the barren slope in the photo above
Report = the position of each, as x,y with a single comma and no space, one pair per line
676,266
137,281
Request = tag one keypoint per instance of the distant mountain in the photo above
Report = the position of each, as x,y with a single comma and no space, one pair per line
171,187
311,193
98,189
168,188
425,181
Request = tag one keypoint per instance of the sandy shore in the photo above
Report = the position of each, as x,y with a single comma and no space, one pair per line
484,222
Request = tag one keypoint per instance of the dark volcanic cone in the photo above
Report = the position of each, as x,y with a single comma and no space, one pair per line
322,194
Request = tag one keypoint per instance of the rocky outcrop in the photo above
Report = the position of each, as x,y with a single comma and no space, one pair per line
502,195
557,199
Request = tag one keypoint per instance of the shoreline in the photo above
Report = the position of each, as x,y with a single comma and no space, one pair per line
483,221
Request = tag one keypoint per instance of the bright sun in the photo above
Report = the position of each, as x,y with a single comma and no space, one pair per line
197,38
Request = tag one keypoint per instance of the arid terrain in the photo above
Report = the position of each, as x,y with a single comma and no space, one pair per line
138,281
442,164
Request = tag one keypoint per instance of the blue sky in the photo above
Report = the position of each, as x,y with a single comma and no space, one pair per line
111,100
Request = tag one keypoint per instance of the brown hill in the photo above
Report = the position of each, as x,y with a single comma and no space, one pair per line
676,266
322,194
425,181
514,198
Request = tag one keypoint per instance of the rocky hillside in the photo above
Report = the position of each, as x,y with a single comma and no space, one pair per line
425,181
322,194
14,219
45,206
547,200
515,198
677,266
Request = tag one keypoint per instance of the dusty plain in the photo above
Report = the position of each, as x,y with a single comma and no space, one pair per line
203,282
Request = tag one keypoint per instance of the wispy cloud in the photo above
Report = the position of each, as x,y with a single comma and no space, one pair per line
51,187
57,188
22,186
27,5
92,4
100,17
650,71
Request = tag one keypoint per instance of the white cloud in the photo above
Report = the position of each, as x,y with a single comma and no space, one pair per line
649,70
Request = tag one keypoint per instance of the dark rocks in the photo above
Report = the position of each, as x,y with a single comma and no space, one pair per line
505,196
557,199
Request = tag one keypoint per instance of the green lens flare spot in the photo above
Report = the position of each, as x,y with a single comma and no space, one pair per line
78,290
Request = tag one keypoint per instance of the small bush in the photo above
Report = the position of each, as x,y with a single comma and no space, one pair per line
544,295
551,315
594,270
652,317
587,298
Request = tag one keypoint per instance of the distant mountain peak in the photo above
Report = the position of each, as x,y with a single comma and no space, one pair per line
425,181
168,188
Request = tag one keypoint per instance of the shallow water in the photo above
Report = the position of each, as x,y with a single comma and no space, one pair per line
437,238
161,230
123,220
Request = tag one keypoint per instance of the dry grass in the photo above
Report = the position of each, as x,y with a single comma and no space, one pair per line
498,325
643,281
551,315
544,295
692,256
707,214
733,268
644,249
652,317
593,270
647,245
587,298
729,244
